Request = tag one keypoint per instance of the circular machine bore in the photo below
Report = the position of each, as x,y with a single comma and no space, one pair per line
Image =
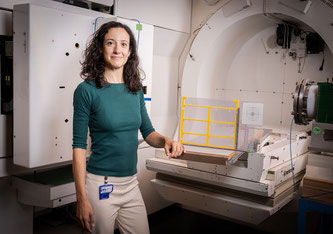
305,102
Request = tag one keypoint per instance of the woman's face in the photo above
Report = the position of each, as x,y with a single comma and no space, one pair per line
116,48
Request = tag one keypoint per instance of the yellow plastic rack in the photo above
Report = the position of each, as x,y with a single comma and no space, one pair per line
208,125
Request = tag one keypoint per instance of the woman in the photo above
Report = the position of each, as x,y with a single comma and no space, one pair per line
111,103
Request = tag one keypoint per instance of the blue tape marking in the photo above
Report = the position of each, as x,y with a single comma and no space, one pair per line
147,99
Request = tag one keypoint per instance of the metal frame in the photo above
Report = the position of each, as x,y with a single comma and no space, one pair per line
208,125
323,209
224,205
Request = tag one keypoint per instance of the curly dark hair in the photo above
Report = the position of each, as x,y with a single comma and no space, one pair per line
93,65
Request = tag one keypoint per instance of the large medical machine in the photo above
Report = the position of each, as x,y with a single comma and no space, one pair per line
237,103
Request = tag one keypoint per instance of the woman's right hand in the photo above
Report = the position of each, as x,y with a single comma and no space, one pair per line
85,214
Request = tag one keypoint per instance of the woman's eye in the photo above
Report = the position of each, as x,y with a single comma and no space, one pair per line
124,44
109,43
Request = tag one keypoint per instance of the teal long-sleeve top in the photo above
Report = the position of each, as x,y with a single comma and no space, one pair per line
113,115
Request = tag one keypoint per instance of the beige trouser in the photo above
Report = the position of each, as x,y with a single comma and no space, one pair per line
125,206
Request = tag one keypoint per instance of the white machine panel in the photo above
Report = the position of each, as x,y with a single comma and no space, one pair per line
220,204
48,48
48,45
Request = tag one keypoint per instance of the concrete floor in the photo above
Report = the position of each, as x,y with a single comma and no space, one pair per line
177,220
173,219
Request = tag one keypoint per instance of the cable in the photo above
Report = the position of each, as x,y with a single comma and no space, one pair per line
96,22
292,171
6,9
318,195
322,63
300,70
291,157
195,31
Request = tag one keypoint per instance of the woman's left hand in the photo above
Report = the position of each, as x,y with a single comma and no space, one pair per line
173,148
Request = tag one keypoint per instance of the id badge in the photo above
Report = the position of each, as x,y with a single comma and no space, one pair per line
105,190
